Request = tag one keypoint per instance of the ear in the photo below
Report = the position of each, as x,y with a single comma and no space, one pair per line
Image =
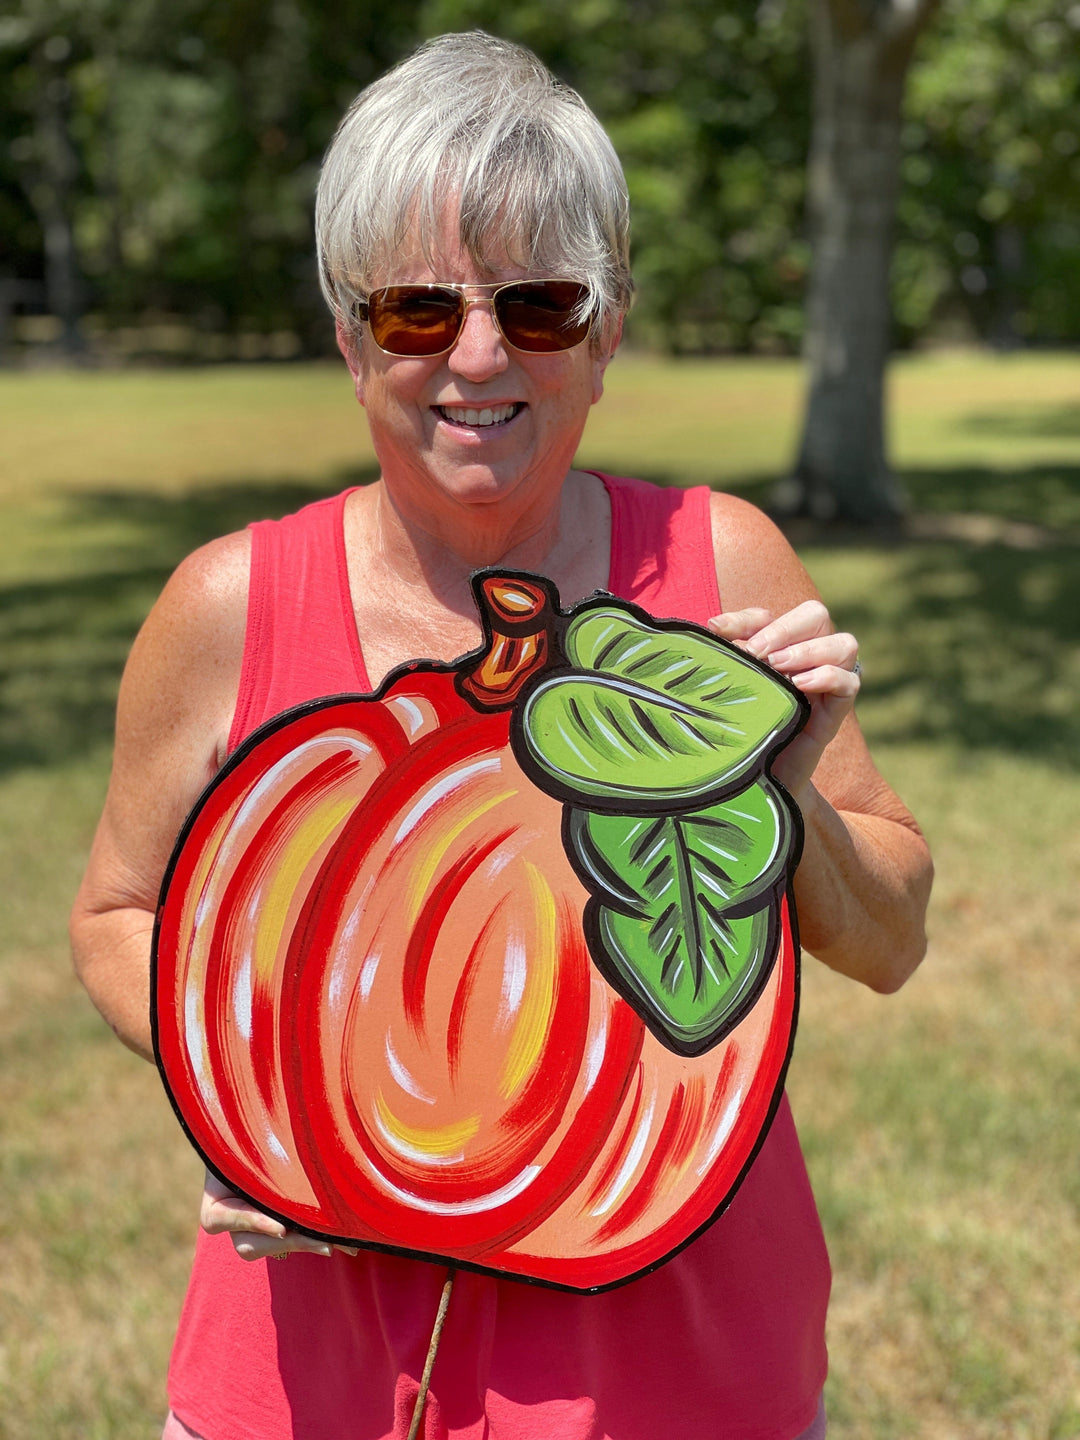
603,355
349,345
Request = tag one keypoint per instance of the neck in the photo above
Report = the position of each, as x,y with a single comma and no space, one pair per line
440,557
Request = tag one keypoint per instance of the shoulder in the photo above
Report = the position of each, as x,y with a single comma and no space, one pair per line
215,573
755,565
204,603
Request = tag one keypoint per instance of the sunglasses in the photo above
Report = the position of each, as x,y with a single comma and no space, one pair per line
539,317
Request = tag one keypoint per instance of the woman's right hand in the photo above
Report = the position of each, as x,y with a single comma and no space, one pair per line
255,1236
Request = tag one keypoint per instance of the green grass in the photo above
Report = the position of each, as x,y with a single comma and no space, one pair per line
939,1124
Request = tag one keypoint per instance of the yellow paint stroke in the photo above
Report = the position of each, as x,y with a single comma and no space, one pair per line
297,855
198,941
424,872
434,1141
534,1017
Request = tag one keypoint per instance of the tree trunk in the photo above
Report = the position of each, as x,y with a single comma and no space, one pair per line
1008,276
861,50
52,198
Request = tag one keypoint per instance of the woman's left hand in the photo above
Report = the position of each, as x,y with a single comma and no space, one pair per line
803,646
255,1236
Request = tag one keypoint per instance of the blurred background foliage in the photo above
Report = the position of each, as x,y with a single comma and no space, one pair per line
158,159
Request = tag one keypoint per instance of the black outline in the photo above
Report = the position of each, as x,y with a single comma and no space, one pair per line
769,898
459,667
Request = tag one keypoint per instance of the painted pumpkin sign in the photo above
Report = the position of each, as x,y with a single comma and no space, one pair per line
497,966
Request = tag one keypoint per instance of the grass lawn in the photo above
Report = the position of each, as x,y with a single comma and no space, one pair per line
939,1124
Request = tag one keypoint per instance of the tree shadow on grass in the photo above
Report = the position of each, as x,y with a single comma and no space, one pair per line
977,635
977,642
1052,422
977,646
1046,494
64,642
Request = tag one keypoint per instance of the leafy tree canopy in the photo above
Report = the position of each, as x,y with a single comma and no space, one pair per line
179,142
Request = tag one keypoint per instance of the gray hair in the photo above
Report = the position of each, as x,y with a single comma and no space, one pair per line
481,121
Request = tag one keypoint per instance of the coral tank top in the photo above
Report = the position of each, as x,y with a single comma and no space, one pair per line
725,1340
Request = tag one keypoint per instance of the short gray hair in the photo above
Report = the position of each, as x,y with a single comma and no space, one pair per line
483,121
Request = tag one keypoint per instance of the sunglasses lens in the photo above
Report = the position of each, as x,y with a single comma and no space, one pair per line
537,316
542,316
415,319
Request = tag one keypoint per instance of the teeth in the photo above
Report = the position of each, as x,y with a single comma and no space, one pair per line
463,415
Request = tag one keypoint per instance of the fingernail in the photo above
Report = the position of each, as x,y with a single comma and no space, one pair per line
778,657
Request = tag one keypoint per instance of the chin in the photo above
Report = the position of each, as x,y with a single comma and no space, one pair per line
479,486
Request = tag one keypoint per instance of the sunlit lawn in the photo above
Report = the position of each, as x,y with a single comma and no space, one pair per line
940,1124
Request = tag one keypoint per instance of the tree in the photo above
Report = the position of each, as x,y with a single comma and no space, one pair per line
862,50
159,157
163,153
45,157
990,209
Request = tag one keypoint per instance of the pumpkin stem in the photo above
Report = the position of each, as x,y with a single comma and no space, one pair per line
518,615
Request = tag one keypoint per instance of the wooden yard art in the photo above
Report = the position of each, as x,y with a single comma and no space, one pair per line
498,966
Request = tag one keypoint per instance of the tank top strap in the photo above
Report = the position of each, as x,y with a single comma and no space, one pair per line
661,548
300,639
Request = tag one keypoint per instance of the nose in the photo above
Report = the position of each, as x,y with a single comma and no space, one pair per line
480,350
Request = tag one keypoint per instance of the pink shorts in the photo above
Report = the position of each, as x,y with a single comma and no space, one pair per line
176,1429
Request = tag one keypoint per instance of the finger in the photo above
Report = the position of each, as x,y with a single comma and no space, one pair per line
840,649
739,625
222,1219
830,680
263,1247
259,1247
807,621
222,1212
256,1236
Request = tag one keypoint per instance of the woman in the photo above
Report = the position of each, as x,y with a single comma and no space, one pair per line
469,168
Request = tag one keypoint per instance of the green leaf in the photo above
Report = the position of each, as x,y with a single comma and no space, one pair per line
651,718
684,916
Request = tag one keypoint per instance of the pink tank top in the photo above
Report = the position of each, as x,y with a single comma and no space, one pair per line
726,1340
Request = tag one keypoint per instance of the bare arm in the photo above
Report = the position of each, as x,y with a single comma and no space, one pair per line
172,728
175,708
864,880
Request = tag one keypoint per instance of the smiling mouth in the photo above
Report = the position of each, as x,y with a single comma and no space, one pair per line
479,419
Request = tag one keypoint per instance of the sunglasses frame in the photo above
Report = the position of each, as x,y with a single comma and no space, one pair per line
362,311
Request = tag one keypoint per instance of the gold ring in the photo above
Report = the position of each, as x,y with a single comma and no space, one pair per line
281,1255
